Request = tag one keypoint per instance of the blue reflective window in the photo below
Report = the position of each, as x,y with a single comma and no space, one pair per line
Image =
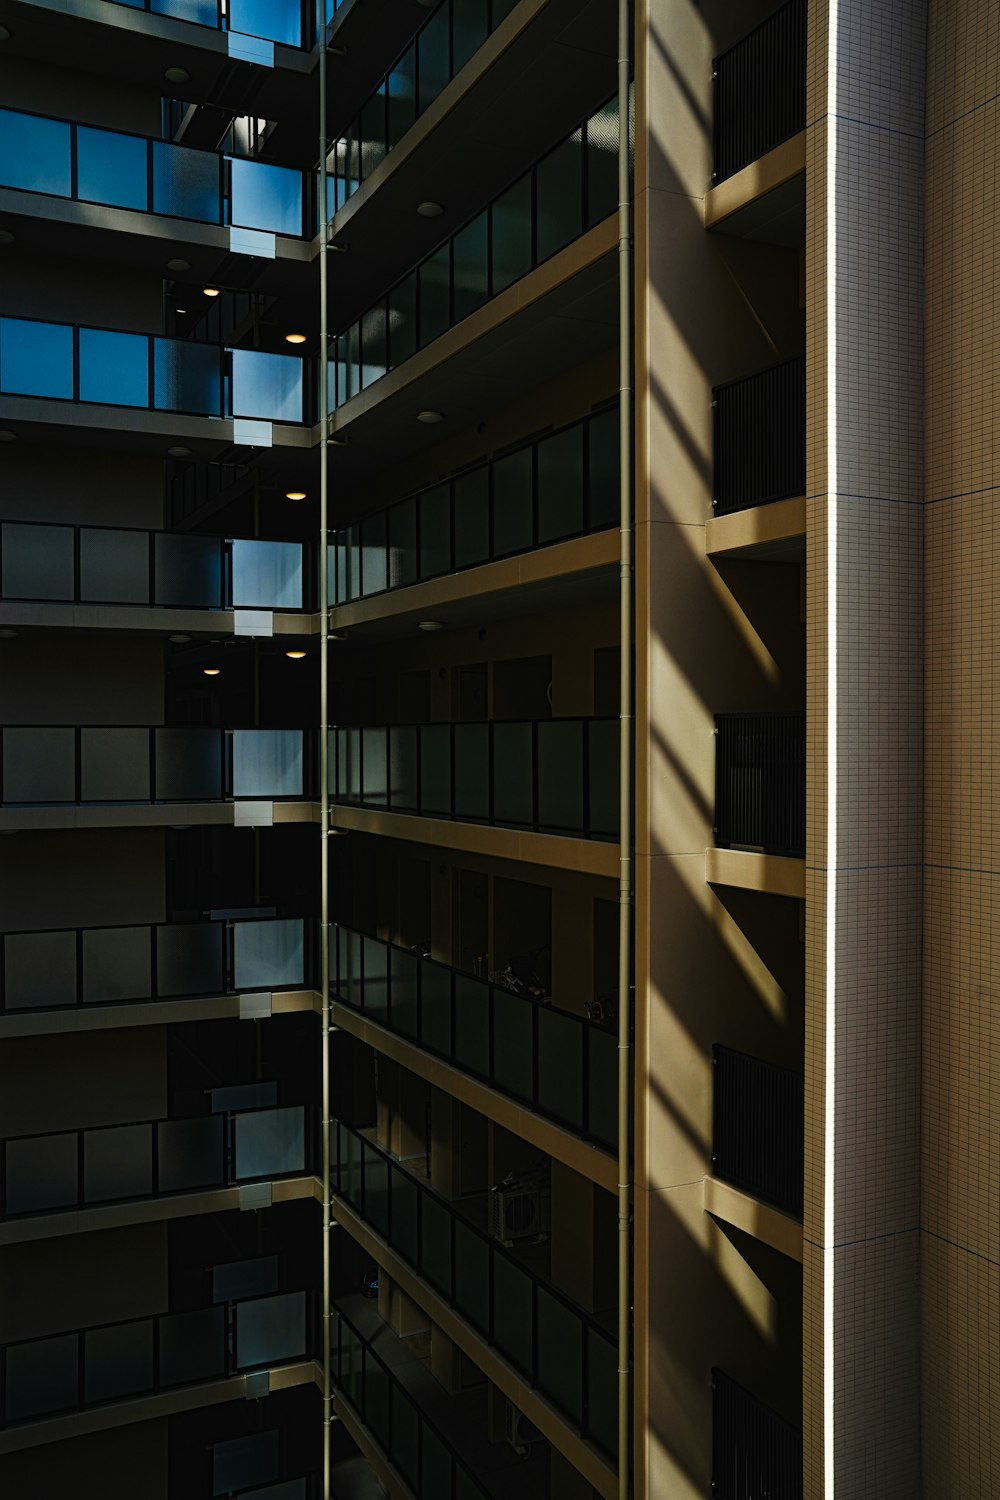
203,12
111,168
268,386
36,359
114,367
34,154
277,20
186,183
186,377
265,197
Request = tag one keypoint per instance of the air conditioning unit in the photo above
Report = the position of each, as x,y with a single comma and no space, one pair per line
520,1209
520,1433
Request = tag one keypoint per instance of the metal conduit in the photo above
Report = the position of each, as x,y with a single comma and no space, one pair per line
324,792
625,343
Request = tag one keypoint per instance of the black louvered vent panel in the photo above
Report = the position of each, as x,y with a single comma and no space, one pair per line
760,90
756,1455
757,1134
760,783
760,437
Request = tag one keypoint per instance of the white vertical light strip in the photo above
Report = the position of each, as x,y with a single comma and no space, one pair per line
830,1055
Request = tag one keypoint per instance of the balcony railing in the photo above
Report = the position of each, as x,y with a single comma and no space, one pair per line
73,1169
565,485
407,1437
558,1064
570,190
250,1468
62,159
756,1455
83,966
758,1128
44,1377
439,51
76,766
557,1347
552,775
760,90
760,437
45,562
760,783
63,362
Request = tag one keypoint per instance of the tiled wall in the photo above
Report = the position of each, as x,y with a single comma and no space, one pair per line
961,1024
865,568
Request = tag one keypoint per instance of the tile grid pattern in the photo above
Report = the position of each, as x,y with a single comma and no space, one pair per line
865,288
960,1210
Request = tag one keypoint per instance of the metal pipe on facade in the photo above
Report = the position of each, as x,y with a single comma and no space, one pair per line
324,749
625,355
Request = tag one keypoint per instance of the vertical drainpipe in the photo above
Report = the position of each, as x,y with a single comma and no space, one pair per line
625,745
324,792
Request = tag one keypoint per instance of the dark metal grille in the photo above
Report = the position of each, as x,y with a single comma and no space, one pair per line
760,90
760,782
757,1128
760,437
756,1455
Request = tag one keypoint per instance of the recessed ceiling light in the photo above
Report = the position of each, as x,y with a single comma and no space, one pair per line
7,437
429,209
177,75
178,265
431,625
295,655
210,291
6,238
295,494
180,309
211,671
7,634
430,417
295,338
178,452
179,640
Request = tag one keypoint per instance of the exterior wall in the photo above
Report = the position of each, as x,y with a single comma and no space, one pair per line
960,1268
707,309
864,572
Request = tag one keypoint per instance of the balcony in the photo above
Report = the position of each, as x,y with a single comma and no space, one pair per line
760,437
66,766
382,1402
760,783
561,1066
760,90
755,1453
142,372
112,169
89,1367
571,190
243,1140
560,1350
48,563
758,1128
439,51
128,966
556,776
563,486
288,22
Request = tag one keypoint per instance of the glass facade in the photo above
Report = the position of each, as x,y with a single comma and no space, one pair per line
68,363
115,170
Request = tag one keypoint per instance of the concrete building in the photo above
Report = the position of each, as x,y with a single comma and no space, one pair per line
321,555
